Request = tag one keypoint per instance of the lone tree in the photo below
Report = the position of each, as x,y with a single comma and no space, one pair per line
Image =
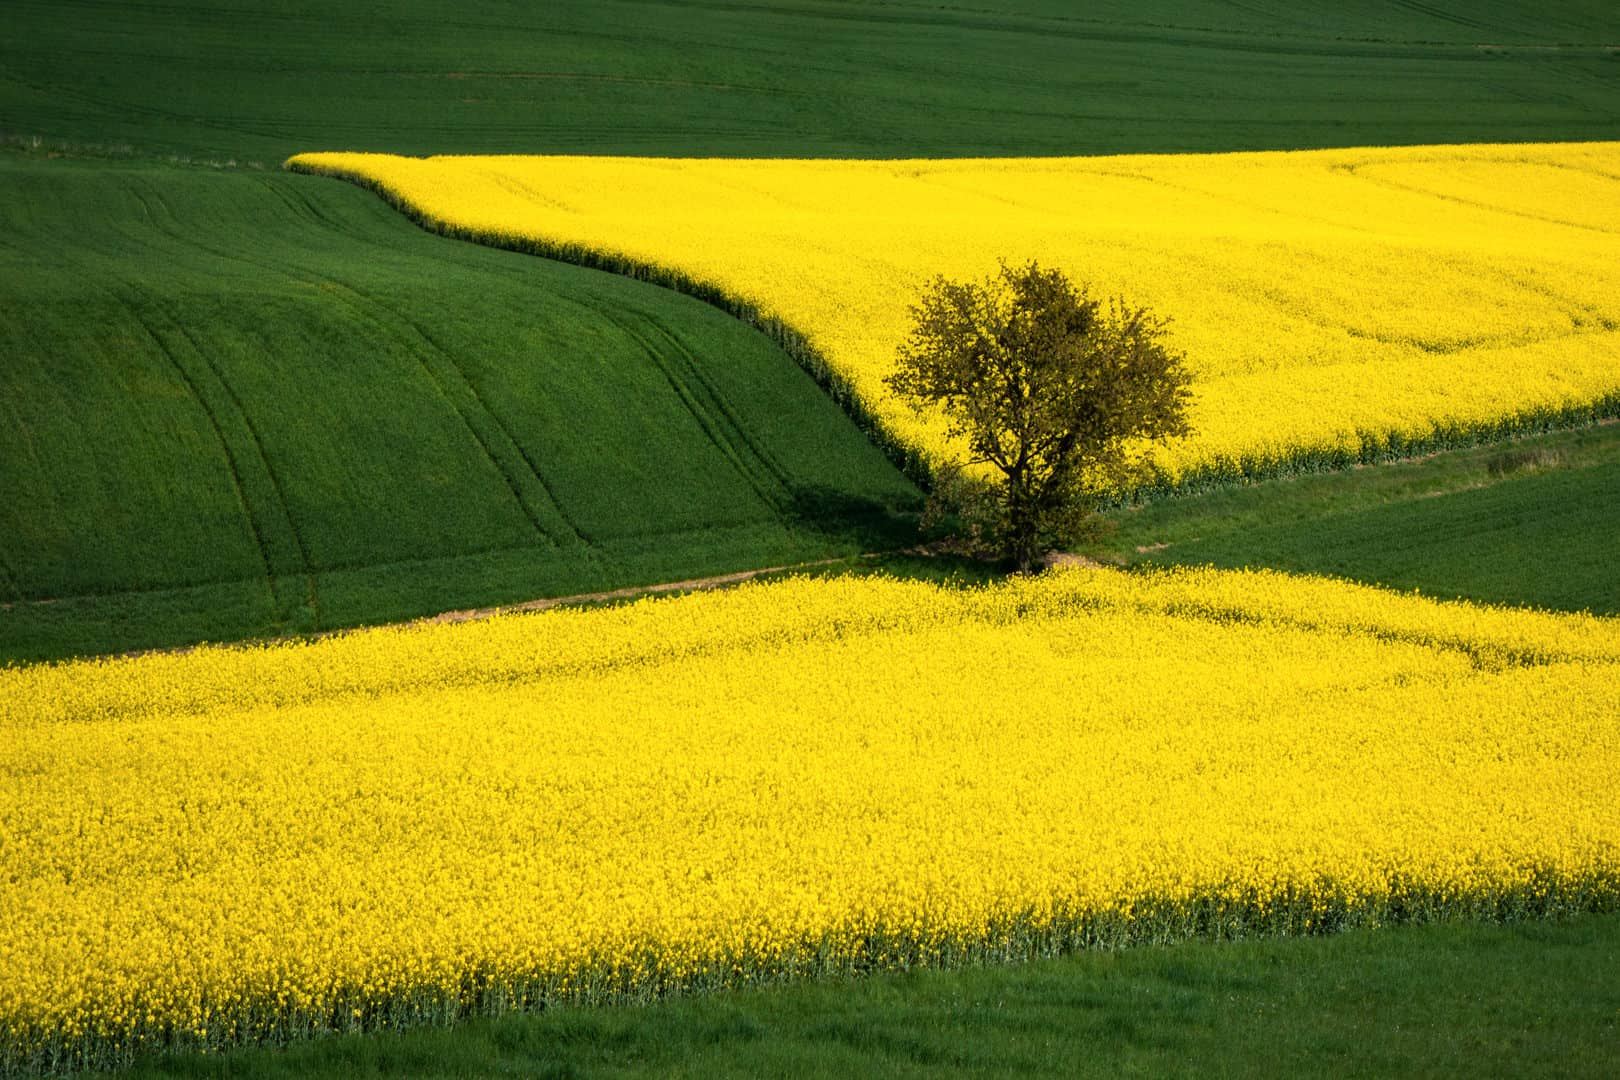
1047,386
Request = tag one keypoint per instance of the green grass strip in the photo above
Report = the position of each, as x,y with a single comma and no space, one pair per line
1520,999
1234,914
1535,521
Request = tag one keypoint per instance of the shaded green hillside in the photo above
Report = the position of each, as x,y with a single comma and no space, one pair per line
243,403
229,78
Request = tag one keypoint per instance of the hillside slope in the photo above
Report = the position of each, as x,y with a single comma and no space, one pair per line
244,403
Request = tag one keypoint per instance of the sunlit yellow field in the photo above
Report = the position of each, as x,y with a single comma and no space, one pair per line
806,776
1327,300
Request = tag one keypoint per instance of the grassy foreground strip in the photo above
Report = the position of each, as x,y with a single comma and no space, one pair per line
1526,999
1335,306
813,777
1534,521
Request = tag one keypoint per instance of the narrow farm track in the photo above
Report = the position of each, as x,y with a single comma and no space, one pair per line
636,592
610,596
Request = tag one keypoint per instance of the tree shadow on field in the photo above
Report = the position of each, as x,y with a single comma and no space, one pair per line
859,520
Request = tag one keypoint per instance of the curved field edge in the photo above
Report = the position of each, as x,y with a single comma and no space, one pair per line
1371,445
1550,678
909,459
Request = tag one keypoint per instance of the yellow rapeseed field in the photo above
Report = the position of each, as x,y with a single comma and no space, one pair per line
1333,304
409,824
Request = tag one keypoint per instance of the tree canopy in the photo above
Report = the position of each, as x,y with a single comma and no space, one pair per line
1056,391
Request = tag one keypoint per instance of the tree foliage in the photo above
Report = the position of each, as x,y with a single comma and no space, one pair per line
1057,392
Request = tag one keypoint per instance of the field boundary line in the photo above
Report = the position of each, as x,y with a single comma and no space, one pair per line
426,562
908,459
544,603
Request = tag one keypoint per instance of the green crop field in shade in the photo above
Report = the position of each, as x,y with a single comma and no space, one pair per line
1533,521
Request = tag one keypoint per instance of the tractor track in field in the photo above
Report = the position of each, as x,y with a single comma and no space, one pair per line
444,373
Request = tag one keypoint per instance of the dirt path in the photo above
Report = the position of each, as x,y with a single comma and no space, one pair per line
1050,561
470,614
630,593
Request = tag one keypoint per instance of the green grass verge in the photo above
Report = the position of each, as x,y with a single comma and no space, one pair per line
248,403
1521,999
1535,521
230,79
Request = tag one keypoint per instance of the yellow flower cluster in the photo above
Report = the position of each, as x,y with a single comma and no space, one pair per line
412,823
1332,304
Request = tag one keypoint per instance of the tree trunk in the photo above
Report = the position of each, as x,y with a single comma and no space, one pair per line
1022,528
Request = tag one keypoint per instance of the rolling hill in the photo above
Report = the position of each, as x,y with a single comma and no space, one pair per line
246,403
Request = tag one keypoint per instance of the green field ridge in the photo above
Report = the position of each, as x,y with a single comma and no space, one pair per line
227,80
1534,521
906,457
